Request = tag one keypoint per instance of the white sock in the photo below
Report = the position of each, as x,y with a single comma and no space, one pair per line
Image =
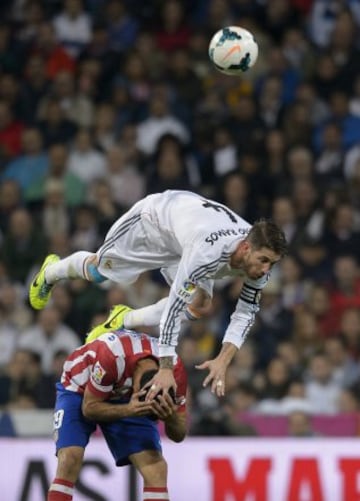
69,267
149,316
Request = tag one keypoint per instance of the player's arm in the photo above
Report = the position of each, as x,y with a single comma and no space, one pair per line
240,324
97,408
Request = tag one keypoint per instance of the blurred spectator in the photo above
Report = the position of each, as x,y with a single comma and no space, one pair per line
318,303
299,425
73,27
322,389
47,337
349,330
85,161
77,107
101,200
348,401
35,86
24,245
344,368
305,335
10,133
345,290
32,164
54,125
126,183
55,57
121,27
294,289
74,189
172,32
85,234
341,233
10,199
104,127
159,122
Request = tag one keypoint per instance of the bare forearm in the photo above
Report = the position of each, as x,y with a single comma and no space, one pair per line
227,353
105,411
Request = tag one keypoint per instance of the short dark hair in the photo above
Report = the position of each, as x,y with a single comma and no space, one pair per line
265,233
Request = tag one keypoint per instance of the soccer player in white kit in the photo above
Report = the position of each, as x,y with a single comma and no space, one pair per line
193,241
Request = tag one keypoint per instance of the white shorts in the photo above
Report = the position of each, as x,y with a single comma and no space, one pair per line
133,245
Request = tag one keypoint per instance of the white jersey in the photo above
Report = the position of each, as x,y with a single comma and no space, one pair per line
191,239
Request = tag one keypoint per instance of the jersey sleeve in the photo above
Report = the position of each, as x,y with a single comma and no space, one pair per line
247,306
195,268
103,373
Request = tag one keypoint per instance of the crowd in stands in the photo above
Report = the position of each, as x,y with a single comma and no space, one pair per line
105,101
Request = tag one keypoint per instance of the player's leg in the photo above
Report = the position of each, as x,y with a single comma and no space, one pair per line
68,468
153,468
72,432
81,264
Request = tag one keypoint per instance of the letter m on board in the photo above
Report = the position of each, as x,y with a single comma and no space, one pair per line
252,485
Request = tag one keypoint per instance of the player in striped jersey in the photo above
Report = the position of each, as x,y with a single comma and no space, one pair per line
101,385
194,241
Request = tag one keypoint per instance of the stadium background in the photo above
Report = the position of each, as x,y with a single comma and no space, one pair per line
104,101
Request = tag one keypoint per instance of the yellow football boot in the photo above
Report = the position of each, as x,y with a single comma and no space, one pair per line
40,291
114,321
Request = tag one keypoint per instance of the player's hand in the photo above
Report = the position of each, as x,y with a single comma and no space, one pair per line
164,407
160,383
137,407
216,375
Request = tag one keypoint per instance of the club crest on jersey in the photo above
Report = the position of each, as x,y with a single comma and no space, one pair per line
187,290
98,373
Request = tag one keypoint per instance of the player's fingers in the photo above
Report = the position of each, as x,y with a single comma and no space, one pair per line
208,379
204,365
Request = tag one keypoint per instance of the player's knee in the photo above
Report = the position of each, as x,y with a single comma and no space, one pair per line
91,271
155,474
69,462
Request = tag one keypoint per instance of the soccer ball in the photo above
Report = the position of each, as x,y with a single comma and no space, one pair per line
233,50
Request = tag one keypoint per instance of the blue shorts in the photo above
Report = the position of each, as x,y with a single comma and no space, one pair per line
124,437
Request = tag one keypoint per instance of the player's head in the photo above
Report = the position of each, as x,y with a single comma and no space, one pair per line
146,365
264,246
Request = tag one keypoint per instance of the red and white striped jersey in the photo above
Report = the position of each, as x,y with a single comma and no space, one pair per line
106,365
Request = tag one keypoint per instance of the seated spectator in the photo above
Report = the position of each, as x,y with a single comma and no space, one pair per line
159,122
85,161
47,337
122,28
318,303
127,184
173,31
74,188
55,56
10,133
305,335
321,388
24,245
54,125
34,87
10,199
85,233
345,290
77,107
73,27
299,425
101,199
349,330
344,368
32,164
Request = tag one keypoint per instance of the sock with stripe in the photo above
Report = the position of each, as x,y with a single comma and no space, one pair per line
155,493
69,267
61,490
